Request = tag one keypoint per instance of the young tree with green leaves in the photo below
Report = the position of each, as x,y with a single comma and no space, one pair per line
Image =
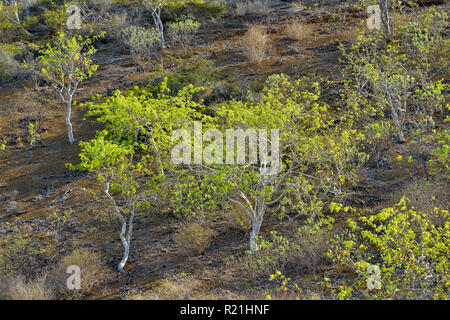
65,64
11,9
309,160
142,42
155,7
182,32
409,249
131,156
117,170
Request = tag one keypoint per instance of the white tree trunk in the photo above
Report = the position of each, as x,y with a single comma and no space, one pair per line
256,226
69,124
398,125
257,220
156,14
385,16
126,247
126,240
27,7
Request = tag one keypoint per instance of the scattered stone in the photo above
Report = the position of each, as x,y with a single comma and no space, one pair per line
290,52
12,207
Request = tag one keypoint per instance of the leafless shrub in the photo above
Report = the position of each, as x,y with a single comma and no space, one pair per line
91,268
237,219
298,31
243,7
179,287
17,288
194,237
255,43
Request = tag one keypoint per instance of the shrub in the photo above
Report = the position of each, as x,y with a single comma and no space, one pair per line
311,244
306,249
243,7
235,218
56,17
178,287
2,144
409,251
440,163
117,22
255,43
9,68
183,32
34,133
298,31
142,42
17,288
22,254
378,136
91,267
194,237
197,8
198,72
424,196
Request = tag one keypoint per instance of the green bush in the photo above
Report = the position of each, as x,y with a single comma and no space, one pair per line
378,136
395,254
197,8
142,42
23,254
56,17
9,68
182,32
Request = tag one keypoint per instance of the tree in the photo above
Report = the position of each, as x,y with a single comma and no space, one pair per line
183,32
304,155
117,171
155,7
381,74
408,249
134,121
65,64
142,42
11,8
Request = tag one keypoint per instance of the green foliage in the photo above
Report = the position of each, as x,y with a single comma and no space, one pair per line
197,71
66,62
378,136
142,42
317,158
146,122
3,144
440,163
197,8
56,17
22,254
396,75
304,249
410,251
33,133
183,32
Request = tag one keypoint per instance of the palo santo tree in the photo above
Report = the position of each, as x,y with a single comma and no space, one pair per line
155,7
117,171
65,64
